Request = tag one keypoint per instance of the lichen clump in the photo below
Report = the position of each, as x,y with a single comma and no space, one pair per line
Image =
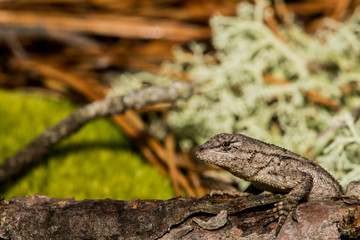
235,98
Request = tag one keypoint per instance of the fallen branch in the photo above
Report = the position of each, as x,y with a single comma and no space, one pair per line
40,146
41,217
217,217
107,25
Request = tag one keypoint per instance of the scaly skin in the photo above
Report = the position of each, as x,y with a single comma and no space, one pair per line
271,168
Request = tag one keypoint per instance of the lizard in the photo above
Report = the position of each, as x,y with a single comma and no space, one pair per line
271,168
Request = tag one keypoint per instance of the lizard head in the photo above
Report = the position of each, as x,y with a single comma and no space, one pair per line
221,150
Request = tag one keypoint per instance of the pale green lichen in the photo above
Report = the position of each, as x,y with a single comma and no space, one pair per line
235,97
342,155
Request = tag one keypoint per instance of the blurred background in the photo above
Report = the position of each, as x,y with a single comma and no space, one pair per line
286,72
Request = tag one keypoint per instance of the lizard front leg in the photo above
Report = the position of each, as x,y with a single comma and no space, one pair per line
297,184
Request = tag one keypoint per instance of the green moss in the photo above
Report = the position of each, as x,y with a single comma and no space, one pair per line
96,162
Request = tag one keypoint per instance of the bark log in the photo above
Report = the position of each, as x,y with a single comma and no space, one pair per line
41,217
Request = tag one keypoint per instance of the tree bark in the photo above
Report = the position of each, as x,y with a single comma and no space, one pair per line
217,217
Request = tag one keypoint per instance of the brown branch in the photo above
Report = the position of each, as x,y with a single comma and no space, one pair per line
318,98
273,25
41,145
311,7
193,170
340,9
75,82
173,170
310,95
41,217
108,25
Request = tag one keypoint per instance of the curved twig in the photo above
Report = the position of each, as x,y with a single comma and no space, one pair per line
42,145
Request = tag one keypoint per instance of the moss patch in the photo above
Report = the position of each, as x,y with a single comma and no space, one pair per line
96,162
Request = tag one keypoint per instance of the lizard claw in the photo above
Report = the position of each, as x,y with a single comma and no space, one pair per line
280,212
293,215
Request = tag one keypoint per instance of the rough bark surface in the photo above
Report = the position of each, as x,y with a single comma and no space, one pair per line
41,217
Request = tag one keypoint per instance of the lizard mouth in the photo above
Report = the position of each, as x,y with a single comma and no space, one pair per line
201,148
201,154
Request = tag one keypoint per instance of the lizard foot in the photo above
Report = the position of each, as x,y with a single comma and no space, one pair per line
280,212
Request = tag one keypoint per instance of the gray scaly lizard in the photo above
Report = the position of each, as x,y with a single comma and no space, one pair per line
271,168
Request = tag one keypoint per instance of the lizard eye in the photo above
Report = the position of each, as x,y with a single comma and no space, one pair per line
226,144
